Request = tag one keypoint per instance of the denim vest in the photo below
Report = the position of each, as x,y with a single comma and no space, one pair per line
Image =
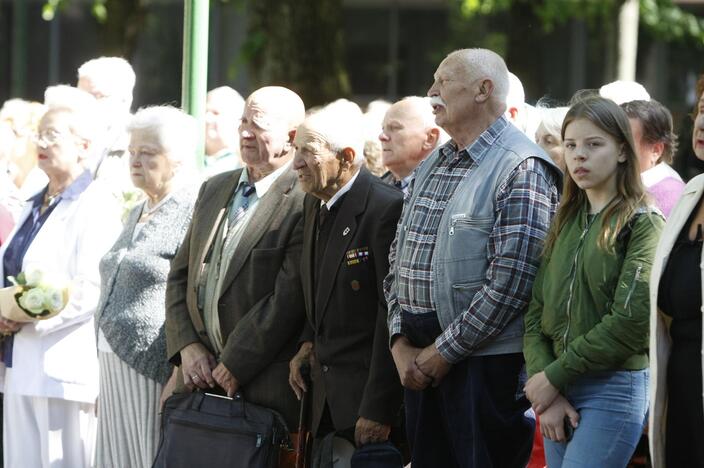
460,258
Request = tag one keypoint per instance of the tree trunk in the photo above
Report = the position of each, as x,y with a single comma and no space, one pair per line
298,44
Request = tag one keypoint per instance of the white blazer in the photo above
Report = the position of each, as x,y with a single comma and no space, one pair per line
57,358
660,342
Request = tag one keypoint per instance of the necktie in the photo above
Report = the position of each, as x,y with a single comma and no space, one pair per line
237,215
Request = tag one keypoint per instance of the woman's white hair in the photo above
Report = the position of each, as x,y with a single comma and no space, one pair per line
552,118
82,106
176,132
113,76
340,124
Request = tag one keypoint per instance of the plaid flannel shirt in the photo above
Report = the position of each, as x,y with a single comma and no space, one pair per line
525,205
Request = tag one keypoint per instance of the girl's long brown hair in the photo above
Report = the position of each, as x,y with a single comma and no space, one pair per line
630,192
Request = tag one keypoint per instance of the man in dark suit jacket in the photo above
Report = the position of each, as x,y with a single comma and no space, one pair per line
350,219
234,302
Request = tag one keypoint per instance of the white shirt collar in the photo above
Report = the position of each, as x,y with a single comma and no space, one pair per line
343,190
657,173
264,184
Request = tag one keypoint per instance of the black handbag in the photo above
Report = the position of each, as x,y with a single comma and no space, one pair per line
202,429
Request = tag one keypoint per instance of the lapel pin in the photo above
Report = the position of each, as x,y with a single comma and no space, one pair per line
346,231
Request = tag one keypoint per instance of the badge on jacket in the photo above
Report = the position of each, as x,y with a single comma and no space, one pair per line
358,255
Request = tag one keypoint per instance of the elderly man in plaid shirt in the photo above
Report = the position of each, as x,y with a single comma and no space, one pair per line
462,266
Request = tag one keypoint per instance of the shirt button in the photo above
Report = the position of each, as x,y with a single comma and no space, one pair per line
325,368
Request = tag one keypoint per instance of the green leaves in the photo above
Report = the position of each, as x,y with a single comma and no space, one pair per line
661,17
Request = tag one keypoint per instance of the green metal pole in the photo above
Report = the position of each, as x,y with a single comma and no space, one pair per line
19,58
195,66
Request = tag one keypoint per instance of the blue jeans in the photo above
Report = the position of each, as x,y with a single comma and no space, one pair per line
612,408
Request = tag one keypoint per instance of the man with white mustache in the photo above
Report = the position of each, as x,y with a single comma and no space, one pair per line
462,265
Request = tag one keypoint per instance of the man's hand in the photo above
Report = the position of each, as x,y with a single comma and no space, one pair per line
405,355
8,327
226,380
432,364
196,365
367,431
552,421
295,378
540,392
168,389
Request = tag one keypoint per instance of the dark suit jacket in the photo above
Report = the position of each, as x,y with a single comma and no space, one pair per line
354,370
261,304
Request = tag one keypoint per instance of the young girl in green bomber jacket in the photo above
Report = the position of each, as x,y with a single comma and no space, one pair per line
586,334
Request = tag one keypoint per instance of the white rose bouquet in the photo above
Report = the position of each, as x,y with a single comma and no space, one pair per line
34,296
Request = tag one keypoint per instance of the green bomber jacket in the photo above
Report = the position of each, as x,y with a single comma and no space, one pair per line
590,307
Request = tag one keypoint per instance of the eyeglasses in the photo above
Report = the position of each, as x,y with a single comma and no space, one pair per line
50,137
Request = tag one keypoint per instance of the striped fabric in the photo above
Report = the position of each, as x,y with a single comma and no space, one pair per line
128,420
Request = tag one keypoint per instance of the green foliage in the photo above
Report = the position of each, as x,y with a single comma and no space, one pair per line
662,17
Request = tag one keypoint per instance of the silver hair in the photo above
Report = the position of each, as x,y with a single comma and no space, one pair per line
114,76
176,132
622,91
228,97
484,63
552,118
82,107
341,128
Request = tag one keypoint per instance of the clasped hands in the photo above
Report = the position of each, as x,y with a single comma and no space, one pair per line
418,367
551,406
200,370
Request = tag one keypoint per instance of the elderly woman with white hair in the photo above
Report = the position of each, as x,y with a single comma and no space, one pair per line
548,135
50,370
134,371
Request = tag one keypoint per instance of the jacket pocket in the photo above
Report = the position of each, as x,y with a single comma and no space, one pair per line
463,293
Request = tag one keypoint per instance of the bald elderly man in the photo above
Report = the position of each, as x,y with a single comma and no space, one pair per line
461,270
234,303
409,134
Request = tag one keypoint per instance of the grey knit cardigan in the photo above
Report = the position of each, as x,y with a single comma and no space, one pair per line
131,310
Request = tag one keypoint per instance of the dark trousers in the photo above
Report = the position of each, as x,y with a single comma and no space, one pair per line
476,417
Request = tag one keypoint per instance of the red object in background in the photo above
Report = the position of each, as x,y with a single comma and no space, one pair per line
537,456
6,224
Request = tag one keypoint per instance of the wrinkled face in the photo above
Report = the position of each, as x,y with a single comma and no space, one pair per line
317,166
552,144
592,156
221,123
647,153
151,169
698,131
59,150
402,138
264,136
452,94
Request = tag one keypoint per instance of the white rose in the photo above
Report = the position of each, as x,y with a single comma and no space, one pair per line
54,300
33,277
33,301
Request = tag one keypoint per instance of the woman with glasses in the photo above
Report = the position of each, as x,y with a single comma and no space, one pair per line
50,366
134,371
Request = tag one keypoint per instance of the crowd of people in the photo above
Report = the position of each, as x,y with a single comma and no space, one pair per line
459,271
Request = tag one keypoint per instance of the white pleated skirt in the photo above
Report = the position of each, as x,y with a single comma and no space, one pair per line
128,415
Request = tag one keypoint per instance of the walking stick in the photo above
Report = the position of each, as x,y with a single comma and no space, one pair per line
303,436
